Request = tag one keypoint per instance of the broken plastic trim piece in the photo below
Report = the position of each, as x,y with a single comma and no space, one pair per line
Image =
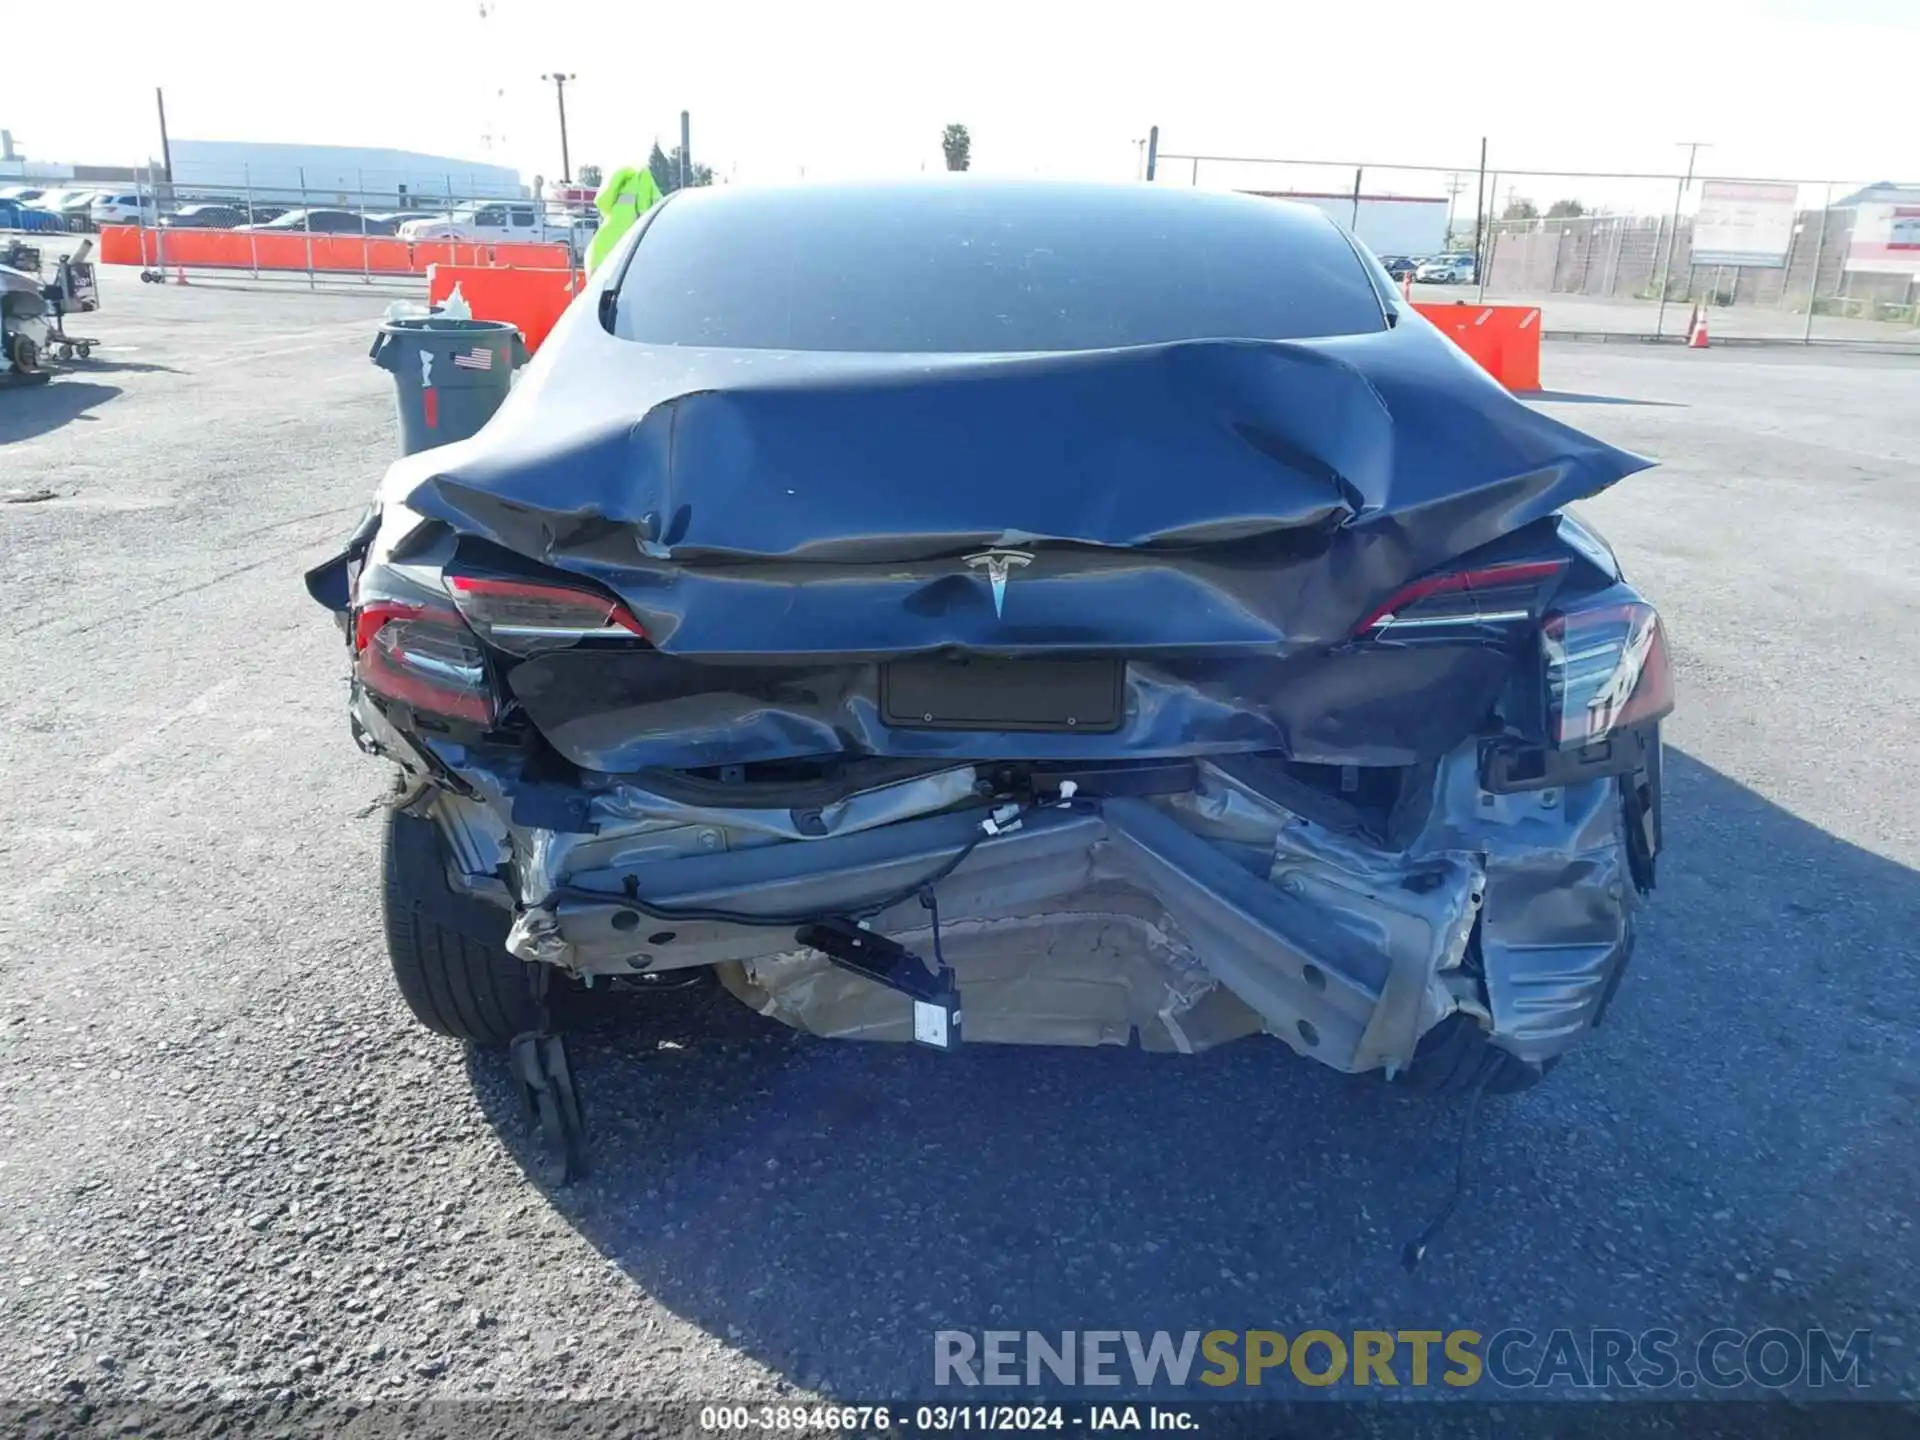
1507,768
936,1000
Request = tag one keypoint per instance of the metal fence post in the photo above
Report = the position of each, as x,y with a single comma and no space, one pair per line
253,235
1483,261
1793,249
1480,206
1819,251
306,224
140,223
1666,268
366,245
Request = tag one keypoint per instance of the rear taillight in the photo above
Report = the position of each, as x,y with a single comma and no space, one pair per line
423,656
1496,595
523,617
1606,669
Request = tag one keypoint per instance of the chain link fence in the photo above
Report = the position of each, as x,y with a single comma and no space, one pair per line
1603,254
1614,254
283,225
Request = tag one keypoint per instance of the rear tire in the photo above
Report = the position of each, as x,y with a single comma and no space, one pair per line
1455,1057
449,950
26,358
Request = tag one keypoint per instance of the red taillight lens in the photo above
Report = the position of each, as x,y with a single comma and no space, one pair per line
526,616
422,656
1490,595
1606,669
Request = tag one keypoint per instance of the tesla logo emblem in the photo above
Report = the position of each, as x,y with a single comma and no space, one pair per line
998,564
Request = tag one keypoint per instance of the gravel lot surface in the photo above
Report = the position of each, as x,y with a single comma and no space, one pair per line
231,1165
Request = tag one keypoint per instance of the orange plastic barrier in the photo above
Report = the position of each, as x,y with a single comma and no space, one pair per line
1504,340
296,250
528,257
532,299
126,245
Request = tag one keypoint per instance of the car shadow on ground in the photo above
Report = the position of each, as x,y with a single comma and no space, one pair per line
30,410
107,365
1573,397
826,1207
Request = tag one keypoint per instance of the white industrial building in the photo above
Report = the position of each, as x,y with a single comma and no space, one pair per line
1385,224
334,174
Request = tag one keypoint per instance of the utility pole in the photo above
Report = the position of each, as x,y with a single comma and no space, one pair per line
560,94
686,151
166,149
1456,185
1694,147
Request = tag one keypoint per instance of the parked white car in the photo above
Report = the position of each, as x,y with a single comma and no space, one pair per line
503,222
115,208
496,223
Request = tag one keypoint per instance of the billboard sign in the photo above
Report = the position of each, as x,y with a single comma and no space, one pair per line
1741,223
1886,239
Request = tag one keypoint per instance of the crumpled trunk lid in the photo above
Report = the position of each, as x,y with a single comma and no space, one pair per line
1211,517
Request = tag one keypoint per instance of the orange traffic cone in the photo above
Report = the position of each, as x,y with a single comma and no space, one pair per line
179,274
1697,336
1406,285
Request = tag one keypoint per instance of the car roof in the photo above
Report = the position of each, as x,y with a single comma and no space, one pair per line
1100,203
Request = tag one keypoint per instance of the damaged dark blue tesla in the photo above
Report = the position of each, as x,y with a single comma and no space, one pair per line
1041,613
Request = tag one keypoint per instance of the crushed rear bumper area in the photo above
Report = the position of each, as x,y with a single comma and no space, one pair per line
1175,921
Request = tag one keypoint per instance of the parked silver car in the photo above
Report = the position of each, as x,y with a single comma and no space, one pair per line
1446,270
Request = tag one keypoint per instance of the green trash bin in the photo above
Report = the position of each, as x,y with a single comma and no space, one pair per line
449,376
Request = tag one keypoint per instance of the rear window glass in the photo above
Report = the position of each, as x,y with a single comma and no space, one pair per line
984,267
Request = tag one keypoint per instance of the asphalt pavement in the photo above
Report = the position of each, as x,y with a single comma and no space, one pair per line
230,1165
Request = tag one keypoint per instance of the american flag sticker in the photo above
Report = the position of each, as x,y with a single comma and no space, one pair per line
478,358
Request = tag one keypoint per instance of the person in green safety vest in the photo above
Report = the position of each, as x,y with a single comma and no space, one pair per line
627,195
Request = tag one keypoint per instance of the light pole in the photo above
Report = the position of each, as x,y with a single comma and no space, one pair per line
560,94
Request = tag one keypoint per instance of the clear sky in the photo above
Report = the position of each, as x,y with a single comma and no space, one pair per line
827,88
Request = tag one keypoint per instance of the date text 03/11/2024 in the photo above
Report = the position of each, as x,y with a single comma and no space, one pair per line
941,1419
